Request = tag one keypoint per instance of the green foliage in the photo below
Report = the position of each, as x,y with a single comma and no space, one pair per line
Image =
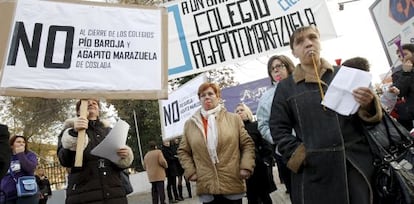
34,118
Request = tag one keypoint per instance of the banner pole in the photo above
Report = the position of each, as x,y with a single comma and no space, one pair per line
138,138
83,110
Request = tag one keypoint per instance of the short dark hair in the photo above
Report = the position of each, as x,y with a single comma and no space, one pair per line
357,62
152,144
285,61
299,31
408,46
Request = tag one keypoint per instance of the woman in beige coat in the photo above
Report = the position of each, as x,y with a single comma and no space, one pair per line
216,151
155,164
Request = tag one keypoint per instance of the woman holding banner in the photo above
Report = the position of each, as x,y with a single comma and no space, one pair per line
216,151
98,180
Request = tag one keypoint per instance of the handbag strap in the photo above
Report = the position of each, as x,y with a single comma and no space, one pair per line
12,174
406,139
385,154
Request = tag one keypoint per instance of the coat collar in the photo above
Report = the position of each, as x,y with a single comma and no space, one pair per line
309,76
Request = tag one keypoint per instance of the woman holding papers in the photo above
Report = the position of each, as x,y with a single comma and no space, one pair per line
329,156
98,180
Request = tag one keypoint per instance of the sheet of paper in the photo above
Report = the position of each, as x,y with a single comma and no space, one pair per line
339,95
115,139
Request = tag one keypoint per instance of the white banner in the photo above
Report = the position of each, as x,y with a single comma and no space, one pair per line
179,107
207,34
57,46
394,22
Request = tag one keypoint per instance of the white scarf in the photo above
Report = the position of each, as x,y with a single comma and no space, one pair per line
212,132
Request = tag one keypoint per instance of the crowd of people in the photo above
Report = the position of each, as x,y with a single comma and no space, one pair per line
321,155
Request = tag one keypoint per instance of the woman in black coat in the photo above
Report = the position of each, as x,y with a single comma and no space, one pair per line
98,181
261,182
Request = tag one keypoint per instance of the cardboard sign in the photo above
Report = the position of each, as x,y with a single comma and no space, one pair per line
394,22
71,50
179,107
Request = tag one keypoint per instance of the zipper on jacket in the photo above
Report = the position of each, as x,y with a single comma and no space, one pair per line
74,187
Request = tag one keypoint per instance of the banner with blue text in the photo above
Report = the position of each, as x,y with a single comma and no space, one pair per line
208,34
247,93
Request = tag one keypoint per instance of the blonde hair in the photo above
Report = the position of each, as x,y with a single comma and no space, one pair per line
247,110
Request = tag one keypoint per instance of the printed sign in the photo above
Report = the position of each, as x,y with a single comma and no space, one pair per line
69,50
395,23
208,34
248,93
179,107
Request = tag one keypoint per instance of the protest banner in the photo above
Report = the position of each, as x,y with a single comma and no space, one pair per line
208,34
64,49
180,106
395,25
247,93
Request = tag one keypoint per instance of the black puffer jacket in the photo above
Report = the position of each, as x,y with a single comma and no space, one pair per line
98,180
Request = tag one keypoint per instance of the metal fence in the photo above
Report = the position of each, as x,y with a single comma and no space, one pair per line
57,175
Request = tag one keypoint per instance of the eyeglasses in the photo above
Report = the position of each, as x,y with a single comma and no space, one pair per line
278,67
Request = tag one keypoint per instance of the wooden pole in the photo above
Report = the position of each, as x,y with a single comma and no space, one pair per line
138,138
83,112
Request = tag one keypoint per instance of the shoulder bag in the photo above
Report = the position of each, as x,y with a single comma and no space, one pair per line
393,151
25,185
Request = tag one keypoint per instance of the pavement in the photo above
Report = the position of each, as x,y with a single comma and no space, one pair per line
279,196
142,192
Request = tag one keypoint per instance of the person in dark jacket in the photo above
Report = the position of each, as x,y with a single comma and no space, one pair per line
23,163
403,80
329,156
261,183
172,171
181,174
98,181
4,150
44,186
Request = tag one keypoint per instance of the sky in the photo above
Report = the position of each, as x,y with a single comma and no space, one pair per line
357,36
